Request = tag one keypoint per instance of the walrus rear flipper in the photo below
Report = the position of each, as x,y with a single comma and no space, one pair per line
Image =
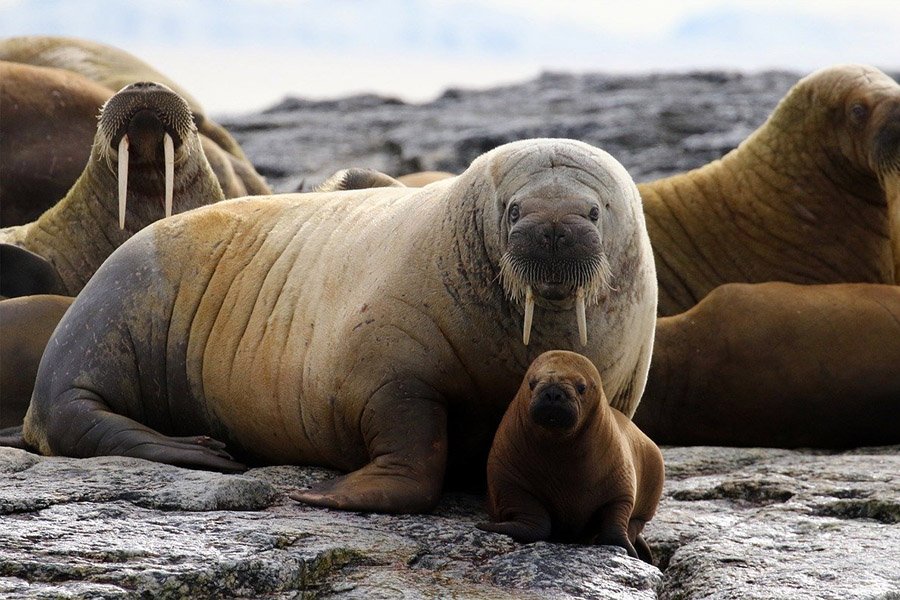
81,425
25,273
11,437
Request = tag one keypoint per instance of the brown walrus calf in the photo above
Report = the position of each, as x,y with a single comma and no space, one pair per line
566,466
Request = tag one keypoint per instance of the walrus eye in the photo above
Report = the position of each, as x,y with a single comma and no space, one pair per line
859,113
595,213
580,387
513,213
532,384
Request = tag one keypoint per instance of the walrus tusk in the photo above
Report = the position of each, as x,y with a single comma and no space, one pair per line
579,314
123,179
169,150
529,314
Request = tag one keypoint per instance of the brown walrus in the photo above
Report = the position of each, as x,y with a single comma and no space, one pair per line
778,364
46,134
812,196
379,332
146,129
26,323
110,67
565,466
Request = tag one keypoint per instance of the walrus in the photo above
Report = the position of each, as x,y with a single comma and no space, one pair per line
379,332
49,124
111,67
27,323
356,178
811,197
423,178
147,130
24,273
565,466
778,364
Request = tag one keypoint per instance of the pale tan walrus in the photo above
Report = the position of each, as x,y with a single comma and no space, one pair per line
565,466
379,332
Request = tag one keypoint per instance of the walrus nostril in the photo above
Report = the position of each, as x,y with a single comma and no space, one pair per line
552,393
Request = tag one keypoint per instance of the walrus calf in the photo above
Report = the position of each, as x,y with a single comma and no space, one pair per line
147,130
565,466
379,332
777,364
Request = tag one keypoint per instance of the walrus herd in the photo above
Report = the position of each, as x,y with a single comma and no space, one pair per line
382,326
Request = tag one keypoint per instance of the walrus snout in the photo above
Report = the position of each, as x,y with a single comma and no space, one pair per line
150,121
554,407
887,141
146,104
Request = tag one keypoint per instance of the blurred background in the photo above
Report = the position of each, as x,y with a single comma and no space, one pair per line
239,56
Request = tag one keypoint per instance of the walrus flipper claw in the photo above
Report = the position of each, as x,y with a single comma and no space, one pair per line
81,425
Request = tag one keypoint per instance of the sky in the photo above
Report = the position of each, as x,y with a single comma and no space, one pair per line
239,56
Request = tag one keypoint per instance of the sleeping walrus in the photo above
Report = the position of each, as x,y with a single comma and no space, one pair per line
379,332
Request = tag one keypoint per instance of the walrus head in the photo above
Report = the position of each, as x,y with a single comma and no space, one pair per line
564,390
854,111
144,126
560,210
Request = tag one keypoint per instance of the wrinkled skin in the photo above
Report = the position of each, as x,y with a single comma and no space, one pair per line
50,119
812,196
778,364
289,329
565,466
82,229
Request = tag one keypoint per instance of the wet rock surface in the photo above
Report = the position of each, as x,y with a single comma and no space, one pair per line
733,523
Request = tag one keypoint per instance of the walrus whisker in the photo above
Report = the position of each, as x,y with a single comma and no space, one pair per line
123,179
169,151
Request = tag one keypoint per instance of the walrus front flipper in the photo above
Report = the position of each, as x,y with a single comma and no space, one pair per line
643,549
525,529
12,437
357,179
25,273
82,425
611,523
405,429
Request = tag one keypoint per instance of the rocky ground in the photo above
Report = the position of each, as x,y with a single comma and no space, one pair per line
733,523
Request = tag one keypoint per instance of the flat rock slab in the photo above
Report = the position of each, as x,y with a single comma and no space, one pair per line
742,523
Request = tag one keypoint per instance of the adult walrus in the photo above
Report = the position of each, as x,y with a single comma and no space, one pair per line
147,130
812,196
778,364
375,331
110,67
565,466
48,127
27,323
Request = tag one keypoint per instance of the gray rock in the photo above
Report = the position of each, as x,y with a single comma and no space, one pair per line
733,523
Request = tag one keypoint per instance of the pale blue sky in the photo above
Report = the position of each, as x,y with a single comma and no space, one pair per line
242,55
